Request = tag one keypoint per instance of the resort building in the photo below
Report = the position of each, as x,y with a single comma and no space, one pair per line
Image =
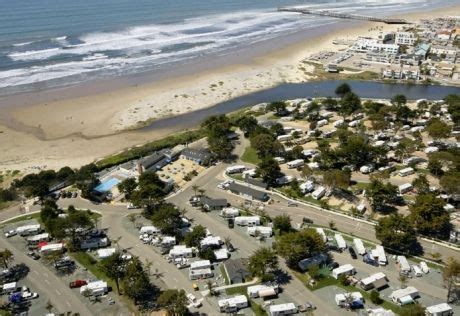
405,38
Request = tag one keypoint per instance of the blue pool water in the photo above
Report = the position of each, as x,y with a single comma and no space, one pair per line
107,185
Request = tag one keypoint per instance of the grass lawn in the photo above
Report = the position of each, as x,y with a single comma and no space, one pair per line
25,217
222,271
236,176
237,290
90,263
250,156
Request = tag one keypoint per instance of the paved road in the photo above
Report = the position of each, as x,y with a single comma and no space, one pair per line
45,282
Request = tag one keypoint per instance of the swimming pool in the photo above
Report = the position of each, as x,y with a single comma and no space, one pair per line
107,185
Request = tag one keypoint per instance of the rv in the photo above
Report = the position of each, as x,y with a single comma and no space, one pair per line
417,270
284,180
58,247
307,187
235,169
260,231
321,123
211,242
367,169
319,193
280,160
181,251
247,220
34,240
375,281
320,231
9,287
284,138
233,304
200,264
342,298
424,267
105,253
405,296
442,309
359,246
229,212
404,266
150,230
94,243
28,230
404,188
379,253
262,291
406,172
96,288
200,274
338,123
346,269
341,244
283,309
295,163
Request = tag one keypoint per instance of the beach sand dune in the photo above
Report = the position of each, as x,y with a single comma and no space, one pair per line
80,130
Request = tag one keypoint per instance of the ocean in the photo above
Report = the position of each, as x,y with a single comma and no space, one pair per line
54,43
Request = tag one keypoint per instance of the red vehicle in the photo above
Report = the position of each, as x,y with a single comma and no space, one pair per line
77,283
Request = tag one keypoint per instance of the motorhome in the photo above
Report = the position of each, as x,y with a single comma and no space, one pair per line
262,291
181,251
284,138
442,309
28,230
375,281
94,243
247,220
359,246
211,242
404,188
307,187
34,240
283,309
235,169
417,270
405,296
320,231
404,266
379,254
200,264
150,230
233,304
346,269
229,212
318,193
260,231
105,253
321,123
95,288
341,244
200,274
406,172
295,163
57,247
424,267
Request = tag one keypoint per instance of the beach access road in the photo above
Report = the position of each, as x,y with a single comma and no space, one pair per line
47,284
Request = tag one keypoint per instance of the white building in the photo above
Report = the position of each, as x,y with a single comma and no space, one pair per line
233,304
405,38
370,45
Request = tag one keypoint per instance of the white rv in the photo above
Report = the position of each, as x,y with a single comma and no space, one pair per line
28,230
260,231
233,304
405,296
424,267
417,270
33,240
404,266
95,288
307,187
359,246
346,269
319,192
320,231
229,212
283,309
181,251
247,220
295,163
57,247
406,172
200,274
341,244
200,264
404,188
235,169
150,230
261,290
379,253
377,281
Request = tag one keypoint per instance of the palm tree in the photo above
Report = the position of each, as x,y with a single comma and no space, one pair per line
116,240
148,266
195,188
132,218
227,241
49,306
201,191
6,256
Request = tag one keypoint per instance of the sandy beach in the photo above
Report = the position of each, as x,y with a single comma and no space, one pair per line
80,130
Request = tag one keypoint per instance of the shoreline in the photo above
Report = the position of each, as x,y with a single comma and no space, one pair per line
68,131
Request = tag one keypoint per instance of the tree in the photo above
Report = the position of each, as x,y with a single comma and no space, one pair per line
375,297
429,216
263,262
396,232
127,186
350,103
399,100
269,170
150,191
263,144
193,238
314,271
342,89
217,127
113,267
421,184
5,257
380,194
136,282
282,223
405,148
450,276
279,107
166,217
306,172
337,179
295,246
247,124
450,182
195,189
49,306
75,221
207,254
437,129
174,301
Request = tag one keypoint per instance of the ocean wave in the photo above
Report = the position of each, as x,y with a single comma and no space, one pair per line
22,44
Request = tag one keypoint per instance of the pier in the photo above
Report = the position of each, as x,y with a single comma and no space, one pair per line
343,15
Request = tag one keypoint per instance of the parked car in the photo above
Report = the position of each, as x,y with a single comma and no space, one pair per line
27,295
306,307
291,204
33,255
331,266
10,233
231,223
230,247
77,283
74,194
352,253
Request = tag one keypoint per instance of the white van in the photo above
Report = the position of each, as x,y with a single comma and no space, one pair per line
424,267
417,270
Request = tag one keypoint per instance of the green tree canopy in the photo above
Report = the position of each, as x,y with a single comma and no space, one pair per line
174,301
193,238
342,89
429,216
337,179
437,129
127,186
166,217
295,246
263,262
396,232
399,100
421,184
380,194
282,223
349,104
269,170
450,182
